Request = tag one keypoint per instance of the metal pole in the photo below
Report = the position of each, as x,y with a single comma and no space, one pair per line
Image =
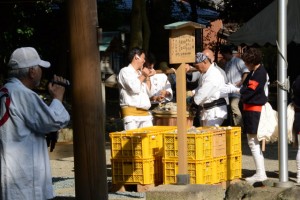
282,95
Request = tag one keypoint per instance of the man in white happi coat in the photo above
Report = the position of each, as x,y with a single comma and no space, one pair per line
24,121
161,89
134,86
208,96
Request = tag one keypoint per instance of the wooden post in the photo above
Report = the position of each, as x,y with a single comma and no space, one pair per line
89,136
181,119
182,50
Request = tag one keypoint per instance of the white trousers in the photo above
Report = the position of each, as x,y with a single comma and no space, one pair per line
134,122
212,122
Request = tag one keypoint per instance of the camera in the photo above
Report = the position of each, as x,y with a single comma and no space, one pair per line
66,84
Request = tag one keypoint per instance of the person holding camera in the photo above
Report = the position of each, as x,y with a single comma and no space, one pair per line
24,121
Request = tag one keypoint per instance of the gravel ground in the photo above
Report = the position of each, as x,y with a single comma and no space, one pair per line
62,163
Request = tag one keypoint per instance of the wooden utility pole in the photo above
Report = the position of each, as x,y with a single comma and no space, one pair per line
89,136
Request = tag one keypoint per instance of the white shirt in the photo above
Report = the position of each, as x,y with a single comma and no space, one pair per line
234,69
25,167
133,92
160,82
197,75
208,90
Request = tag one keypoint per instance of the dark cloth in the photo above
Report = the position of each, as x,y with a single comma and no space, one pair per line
296,125
253,93
296,101
296,91
251,120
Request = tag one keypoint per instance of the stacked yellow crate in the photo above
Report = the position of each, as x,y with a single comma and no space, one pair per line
150,155
219,161
199,146
234,152
136,155
214,155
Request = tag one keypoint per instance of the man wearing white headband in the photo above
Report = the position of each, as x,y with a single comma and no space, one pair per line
208,96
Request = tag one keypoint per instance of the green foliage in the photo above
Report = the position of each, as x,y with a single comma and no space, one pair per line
27,32
30,23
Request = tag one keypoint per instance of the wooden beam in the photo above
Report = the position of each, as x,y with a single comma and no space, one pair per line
89,135
172,71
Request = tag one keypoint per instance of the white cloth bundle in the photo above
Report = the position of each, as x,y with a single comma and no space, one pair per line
290,122
268,124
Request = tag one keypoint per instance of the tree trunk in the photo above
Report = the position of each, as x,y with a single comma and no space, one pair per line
146,27
136,25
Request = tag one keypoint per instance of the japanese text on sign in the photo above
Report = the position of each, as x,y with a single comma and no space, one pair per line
182,46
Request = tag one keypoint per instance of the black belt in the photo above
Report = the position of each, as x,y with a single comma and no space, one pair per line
216,103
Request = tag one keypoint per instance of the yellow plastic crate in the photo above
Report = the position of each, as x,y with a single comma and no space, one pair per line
199,145
219,143
218,140
139,143
233,140
154,129
234,167
133,171
201,172
219,169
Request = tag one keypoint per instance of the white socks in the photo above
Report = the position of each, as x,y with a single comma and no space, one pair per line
258,158
298,160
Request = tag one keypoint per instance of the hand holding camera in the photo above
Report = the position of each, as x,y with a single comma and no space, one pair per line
57,87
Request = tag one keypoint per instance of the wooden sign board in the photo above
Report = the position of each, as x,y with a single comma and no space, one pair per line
182,45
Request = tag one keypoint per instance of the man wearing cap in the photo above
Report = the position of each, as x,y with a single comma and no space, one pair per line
208,96
24,121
